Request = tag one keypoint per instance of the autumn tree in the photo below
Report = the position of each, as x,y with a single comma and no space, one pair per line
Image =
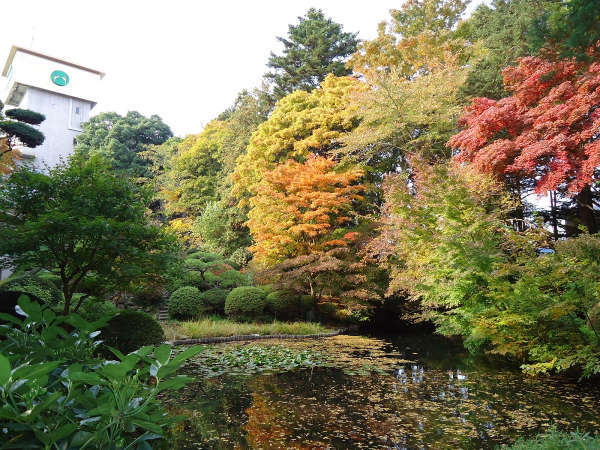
314,48
302,123
299,205
15,131
545,132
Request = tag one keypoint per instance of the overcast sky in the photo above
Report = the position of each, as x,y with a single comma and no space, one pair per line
184,60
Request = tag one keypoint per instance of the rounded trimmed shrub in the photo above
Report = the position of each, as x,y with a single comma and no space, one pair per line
215,299
284,304
245,303
130,330
185,303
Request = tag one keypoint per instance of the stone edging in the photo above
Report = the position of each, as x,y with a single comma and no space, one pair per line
253,337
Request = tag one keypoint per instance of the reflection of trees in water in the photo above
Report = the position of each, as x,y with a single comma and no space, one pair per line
439,401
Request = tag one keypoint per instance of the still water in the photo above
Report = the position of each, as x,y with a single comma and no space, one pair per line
426,392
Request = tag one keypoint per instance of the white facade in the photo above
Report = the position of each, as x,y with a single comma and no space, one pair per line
63,91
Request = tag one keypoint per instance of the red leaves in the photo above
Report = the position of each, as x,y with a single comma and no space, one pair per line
547,130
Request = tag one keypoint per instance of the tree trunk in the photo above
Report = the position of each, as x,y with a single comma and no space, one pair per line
585,210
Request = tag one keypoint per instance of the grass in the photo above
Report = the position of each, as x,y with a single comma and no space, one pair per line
215,326
556,440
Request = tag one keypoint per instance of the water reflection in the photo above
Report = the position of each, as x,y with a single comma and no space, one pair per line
443,399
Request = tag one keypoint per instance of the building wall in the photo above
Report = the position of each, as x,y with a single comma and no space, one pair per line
61,127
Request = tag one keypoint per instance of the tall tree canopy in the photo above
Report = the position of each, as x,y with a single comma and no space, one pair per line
314,48
121,139
547,131
302,123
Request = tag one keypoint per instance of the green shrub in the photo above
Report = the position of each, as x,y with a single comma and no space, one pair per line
148,296
204,256
328,310
284,304
193,278
130,330
233,264
92,309
185,303
307,302
215,299
241,256
232,279
213,280
245,303
556,440
40,288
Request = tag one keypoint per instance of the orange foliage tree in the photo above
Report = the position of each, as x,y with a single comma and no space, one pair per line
547,132
299,207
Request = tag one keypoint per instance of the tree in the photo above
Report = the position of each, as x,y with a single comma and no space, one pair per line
302,123
299,206
80,219
503,29
121,139
568,28
316,47
546,132
16,130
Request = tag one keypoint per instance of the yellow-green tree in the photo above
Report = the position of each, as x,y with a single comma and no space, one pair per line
302,123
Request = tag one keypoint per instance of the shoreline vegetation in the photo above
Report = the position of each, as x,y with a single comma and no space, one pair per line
218,327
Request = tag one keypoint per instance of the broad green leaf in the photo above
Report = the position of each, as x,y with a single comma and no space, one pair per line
4,369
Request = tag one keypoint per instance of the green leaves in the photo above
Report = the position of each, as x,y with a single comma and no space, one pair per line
4,369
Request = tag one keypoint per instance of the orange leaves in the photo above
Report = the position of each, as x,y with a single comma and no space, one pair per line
298,205
548,130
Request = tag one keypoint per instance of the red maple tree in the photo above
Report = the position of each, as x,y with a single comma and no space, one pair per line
548,131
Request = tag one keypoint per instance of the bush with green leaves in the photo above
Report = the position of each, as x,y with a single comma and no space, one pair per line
56,394
558,440
284,305
130,330
185,303
40,289
232,279
246,302
215,299
96,309
241,256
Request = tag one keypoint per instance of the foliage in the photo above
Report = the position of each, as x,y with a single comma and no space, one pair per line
245,302
233,278
302,123
284,304
39,289
215,299
298,206
545,132
130,330
241,256
503,28
80,219
185,303
16,130
56,395
568,28
95,310
314,48
121,139
557,440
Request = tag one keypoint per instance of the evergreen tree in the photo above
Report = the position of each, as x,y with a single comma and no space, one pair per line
317,46
15,131
121,139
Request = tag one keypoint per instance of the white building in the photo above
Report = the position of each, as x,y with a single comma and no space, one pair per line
63,91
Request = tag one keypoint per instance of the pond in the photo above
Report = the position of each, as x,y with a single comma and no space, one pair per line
398,392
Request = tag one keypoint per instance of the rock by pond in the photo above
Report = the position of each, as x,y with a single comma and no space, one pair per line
393,393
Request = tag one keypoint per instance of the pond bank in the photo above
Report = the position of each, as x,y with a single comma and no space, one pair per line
252,337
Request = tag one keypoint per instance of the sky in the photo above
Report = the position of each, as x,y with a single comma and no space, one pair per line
184,60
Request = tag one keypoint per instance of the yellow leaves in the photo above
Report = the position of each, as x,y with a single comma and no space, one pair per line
302,123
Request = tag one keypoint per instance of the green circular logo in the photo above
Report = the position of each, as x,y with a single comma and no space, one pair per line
59,78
